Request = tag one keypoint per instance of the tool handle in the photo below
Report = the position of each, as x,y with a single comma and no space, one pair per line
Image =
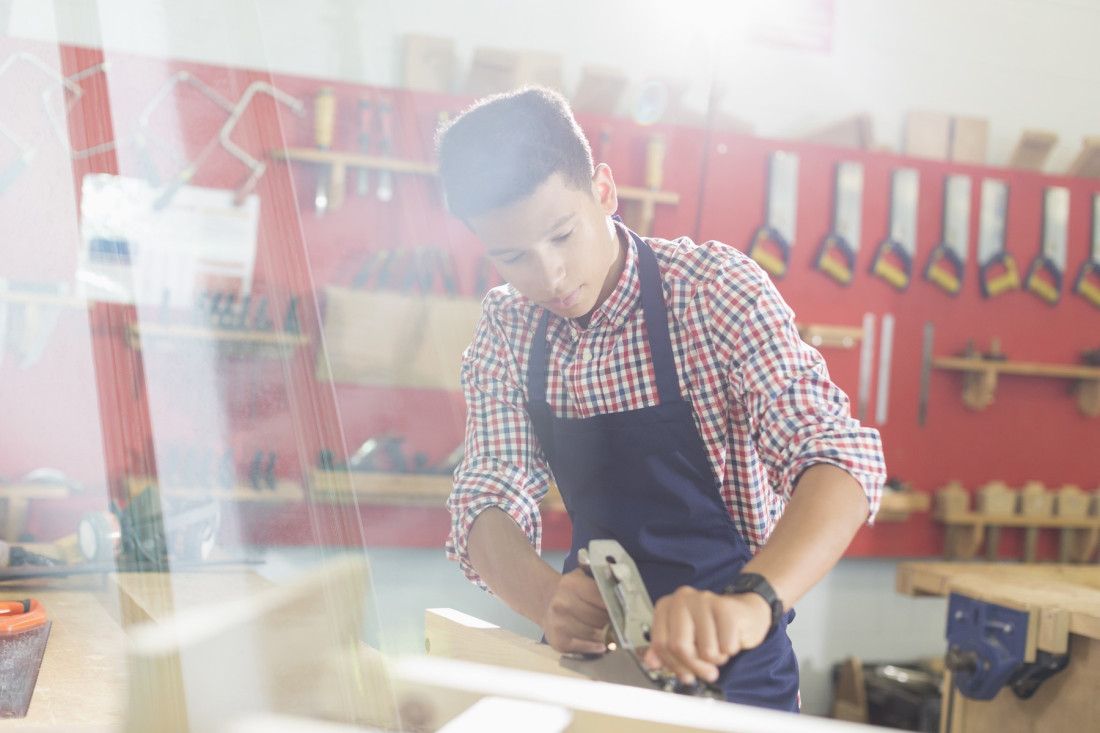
897,275
366,117
841,270
385,116
18,616
655,162
1051,291
1086,284
776,265
950,279
994,285
324,117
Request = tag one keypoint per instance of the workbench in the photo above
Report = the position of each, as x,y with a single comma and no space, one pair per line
1062,603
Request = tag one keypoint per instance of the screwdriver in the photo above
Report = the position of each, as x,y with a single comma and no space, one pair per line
324,119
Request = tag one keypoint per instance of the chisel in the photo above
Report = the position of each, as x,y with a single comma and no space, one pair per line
324,121
654,177
362,181
866,363
385,146
885,354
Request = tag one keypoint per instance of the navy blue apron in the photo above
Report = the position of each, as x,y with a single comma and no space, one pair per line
642,477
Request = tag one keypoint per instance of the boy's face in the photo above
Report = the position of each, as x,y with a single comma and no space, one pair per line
557,246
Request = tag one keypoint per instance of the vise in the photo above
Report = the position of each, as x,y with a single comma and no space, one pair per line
992,646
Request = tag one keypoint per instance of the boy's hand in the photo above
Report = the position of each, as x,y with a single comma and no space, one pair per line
576,616
696,631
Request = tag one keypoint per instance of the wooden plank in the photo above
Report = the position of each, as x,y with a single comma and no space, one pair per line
969,140
1032,150
1087,162
1074,590
455,635
927,134
442,689
1068,371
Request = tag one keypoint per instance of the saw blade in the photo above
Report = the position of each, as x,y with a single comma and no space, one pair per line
20,660
1055,221
849,203
904,194
956,216
783,194
991,226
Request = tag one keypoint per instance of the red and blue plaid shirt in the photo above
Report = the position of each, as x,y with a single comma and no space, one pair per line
763,401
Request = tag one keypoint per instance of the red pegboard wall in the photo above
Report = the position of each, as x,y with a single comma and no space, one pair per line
1032,431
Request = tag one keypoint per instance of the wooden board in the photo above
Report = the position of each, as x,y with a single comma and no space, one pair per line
440,690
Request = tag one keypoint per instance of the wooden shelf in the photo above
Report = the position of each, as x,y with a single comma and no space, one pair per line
898,505
339,162
980,379
15,501
284,492
394,489
353,160
269,344
821,336
46,299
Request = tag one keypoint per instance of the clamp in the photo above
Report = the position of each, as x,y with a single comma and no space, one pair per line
988,650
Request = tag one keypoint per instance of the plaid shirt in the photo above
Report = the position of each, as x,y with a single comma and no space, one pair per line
762,398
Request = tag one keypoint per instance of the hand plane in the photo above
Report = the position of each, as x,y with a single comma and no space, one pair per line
627,636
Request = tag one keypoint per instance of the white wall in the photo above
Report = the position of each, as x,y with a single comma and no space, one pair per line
1019,63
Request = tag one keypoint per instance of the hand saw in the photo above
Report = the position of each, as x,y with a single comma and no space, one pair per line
631,612
782,209
1047,270
894,259
947,263
837,256
24,630
996,267
1087,284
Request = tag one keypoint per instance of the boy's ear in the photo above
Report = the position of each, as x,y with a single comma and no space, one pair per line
603,187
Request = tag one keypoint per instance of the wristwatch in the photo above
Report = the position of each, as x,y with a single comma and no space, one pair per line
758,584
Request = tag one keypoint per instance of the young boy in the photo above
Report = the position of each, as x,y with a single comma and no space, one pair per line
663,386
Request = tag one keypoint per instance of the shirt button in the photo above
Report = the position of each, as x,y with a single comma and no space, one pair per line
587,354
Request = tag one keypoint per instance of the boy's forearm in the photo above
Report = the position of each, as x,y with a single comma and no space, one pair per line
504,558
826,509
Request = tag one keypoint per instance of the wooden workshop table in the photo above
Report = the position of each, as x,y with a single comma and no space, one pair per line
1063,603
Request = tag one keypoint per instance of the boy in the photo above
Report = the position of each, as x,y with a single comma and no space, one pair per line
663,386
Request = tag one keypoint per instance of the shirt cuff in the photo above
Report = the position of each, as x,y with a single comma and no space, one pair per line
865,468
467,503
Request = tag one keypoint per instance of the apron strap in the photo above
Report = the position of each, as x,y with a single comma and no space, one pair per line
656,320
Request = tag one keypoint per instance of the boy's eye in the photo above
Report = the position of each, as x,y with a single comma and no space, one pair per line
512,258
562,237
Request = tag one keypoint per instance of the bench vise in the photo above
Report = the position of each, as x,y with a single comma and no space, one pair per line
989,648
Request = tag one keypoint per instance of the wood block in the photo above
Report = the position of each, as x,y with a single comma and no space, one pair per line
850,132
1032,150
951,500
493,70
429,63
1036,501
539,69
395,339
969,140
599,90
996,498
928,134
850,698
1087,162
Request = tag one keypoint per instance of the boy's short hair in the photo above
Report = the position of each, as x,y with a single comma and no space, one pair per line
500,150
